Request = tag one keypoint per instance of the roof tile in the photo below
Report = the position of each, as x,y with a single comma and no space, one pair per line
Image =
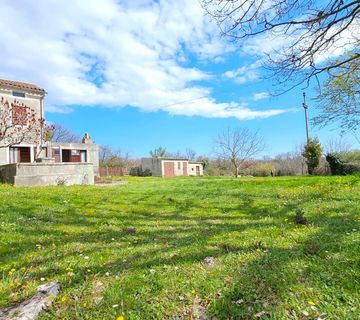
22,85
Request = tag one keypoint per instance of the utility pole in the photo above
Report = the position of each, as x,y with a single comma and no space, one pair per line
306,117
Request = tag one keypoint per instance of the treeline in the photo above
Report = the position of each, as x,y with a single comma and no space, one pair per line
286,164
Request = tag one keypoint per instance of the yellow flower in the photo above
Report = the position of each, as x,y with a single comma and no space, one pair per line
120,318
63,299
69,269
312,303
88,270
23,269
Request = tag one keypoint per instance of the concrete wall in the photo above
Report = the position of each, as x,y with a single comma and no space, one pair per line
192,168
36,174
152,164
92,151
4,156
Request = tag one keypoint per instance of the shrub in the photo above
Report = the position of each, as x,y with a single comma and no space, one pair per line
262,170
339,166
139,172
299,217
312,154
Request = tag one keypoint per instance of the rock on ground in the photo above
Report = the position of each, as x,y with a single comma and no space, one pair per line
30,308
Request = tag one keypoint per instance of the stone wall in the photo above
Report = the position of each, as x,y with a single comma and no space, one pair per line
37,174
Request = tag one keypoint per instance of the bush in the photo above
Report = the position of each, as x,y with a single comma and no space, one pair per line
312,154
339,166
262,170
139,172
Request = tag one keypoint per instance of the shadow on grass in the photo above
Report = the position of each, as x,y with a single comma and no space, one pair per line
171,223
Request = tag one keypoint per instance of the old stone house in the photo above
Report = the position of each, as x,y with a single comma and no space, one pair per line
25,158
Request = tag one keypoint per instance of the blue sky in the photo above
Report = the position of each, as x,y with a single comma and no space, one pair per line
142,74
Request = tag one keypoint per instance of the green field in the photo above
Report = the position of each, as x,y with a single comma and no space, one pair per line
138,250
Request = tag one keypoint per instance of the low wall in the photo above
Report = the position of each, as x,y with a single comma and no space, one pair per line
39,174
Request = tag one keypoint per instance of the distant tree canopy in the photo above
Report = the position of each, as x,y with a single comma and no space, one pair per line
159,152
308,31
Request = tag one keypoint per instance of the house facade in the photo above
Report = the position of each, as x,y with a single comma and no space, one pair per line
19,101
172,167
25,158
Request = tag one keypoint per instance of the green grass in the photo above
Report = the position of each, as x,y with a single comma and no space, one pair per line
138,250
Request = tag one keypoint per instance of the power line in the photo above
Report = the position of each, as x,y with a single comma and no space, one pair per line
182,102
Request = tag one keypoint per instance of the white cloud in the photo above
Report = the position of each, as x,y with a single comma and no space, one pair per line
261,95
244,74
105,53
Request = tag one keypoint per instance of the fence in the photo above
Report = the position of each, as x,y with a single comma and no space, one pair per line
111,171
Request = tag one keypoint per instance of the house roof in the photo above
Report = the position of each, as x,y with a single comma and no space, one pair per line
22,85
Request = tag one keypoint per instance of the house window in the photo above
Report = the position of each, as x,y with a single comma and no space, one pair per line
19,115
18,94
75,152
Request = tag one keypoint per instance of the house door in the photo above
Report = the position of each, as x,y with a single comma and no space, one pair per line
66,155
25,154
20,154
169,170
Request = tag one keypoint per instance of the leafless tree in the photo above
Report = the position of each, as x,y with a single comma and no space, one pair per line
60,133
309,31
110,157
337,145
190,154
18,123
237,146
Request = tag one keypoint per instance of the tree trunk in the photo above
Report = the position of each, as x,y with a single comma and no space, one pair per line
236,172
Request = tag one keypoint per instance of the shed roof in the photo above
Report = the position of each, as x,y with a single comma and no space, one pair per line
22,85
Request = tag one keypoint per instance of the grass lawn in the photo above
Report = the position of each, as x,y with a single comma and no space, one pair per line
138,250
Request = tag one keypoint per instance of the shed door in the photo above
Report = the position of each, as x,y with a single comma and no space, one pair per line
169,170
197,170
185,170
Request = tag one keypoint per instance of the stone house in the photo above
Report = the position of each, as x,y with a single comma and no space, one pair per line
25,158
172,167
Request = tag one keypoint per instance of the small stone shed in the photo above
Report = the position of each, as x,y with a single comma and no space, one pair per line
172,167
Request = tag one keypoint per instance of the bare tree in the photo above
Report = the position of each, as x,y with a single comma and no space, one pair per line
309,31
59,133
338,145
18,123
190,154
237,146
